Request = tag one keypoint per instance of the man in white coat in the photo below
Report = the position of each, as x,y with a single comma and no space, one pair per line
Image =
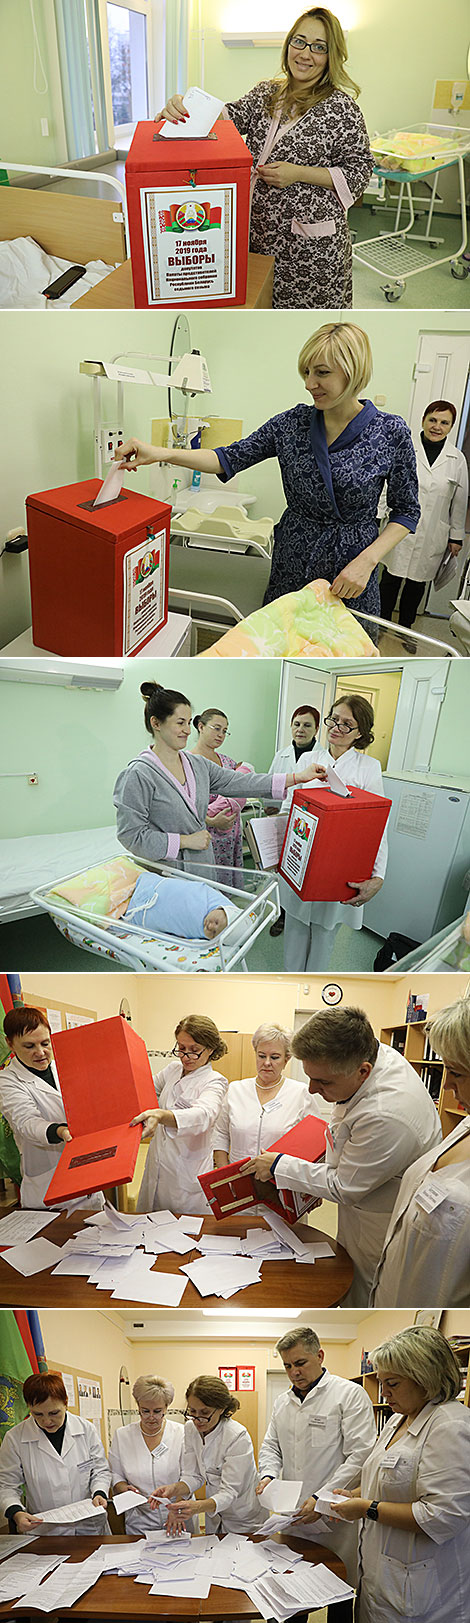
321,1431
304,724
31,1100
382,1120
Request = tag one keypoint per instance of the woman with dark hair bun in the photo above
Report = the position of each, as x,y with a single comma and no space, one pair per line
162,797
443,495
224,819
311,927
57,1458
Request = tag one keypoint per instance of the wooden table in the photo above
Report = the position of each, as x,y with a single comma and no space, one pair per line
115,292
282,1283
121,1598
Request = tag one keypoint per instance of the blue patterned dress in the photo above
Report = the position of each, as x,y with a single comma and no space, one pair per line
332,491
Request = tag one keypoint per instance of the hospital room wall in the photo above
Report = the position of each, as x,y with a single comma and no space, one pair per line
236,1004
78,740
385,43
22,106
451,744
91,1342
48,432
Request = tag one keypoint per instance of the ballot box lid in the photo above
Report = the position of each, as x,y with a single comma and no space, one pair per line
223,149
115,521
104,1074
320,797
306,1140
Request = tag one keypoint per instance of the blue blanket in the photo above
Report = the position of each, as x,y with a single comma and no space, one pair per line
175,906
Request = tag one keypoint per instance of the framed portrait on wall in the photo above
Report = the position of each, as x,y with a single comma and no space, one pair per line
429,1317
228,1373
245,1377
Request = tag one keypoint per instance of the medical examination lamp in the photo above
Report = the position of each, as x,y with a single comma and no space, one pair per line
187,376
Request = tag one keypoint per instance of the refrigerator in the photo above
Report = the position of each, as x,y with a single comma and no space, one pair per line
429,860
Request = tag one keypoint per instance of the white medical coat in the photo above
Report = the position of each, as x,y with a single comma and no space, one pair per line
361,772
176,1155
31,1106
371,1140
423,1575
324,1439
285,760
443,494
226,1463
244,1126
29,1459
131,1461
426,1255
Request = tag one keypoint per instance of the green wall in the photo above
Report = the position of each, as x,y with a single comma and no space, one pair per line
21,107
451,750
78,740
47,440
396,51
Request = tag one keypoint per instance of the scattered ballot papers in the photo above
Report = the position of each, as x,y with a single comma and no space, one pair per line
281,1496
327,1500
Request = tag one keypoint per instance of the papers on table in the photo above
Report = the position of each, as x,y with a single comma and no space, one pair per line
222,1276
21,1571
32,1256
78,1512
203,111
281,1496
20,1226
64,1587
306,1588
10,1543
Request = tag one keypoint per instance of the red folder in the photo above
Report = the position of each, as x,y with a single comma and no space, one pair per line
230,1191
105,1080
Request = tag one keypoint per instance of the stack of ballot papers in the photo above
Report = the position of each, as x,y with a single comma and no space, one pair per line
21,1572
284,1497
64,1586
119,1252
327,1500
277,1580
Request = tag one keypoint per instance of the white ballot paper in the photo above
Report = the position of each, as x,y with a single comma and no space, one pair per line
327,1499
335,783
128,1500
18,1574
111,486
77,1512
23,1225
281,1496
32,1256
65,1586
203,111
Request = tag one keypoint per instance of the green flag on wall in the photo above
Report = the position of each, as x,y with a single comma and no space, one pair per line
14,1370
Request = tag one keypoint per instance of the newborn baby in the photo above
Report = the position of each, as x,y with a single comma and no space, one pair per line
180,907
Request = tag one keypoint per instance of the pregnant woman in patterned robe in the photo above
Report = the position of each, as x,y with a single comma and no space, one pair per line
321,161
335,459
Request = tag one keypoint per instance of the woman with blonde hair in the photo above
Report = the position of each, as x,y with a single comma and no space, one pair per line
308,119
146,1451
218,1452
427,1245
258,1109
189,1092
413,1499
335,458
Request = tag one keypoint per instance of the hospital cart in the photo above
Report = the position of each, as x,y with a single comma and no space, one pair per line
422,151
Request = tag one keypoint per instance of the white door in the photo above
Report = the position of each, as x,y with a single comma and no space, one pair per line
277,1382
442,372
301,683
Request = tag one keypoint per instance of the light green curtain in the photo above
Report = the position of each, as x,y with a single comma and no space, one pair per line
80,55
177,41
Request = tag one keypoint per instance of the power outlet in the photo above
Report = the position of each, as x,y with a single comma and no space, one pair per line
44,126
111,440
33,780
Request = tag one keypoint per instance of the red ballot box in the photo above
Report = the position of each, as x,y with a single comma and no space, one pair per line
230,1190
99,575
188,204
330,840
105,1080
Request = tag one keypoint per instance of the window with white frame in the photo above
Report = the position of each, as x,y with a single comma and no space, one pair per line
133,74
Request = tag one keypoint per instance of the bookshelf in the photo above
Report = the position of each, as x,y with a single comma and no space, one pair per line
461,1347
370,1383
410,1039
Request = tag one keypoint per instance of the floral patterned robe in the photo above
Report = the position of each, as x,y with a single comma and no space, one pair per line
305,226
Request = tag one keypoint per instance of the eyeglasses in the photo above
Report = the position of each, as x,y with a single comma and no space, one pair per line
213,727
186,1053
190,1414
343,726
318,48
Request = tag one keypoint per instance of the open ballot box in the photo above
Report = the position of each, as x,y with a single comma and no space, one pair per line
229,1190
188,205
330,839
105,1080
99,575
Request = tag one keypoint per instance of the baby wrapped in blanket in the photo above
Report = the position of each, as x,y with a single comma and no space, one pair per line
181,907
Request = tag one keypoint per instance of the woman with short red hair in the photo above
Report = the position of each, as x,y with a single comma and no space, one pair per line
52,1459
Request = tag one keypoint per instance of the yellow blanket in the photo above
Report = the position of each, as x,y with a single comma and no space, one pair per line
309,622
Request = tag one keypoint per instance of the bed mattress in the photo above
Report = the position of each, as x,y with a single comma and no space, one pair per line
25,269
36,859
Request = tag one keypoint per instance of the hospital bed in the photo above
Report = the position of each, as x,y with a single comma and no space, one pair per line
66,226
33,859
140,949
444,953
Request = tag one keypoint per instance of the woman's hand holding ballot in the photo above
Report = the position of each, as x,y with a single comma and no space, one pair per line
307,775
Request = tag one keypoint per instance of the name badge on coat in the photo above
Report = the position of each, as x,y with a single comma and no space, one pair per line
430,1195
318,1420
